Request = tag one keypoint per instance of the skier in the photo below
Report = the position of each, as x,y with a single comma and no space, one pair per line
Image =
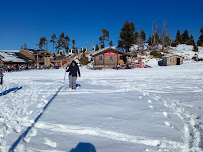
73,70
1,76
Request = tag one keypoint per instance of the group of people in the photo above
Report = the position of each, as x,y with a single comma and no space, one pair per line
23,67
73,70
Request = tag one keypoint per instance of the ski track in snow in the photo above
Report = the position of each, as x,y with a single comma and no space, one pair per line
109,134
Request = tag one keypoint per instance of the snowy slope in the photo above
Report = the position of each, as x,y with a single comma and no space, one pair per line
155,109
186,51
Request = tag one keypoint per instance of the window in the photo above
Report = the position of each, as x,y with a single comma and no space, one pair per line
100,57
111,58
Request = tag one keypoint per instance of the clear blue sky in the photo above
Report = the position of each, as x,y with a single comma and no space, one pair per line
26,21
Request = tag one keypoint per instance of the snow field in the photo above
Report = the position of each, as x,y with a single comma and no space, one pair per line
157,109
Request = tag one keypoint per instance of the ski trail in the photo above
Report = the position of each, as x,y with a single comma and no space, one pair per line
109,134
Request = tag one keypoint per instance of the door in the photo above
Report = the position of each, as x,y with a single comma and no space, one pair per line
178,61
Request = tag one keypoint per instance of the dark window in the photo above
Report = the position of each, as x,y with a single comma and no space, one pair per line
100,58
111,58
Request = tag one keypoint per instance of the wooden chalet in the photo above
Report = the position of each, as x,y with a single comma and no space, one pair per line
43,57
109,58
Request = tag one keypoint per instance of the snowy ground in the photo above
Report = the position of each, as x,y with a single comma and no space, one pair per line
156,109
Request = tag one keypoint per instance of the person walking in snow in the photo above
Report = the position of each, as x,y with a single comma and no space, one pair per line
73,71
1,76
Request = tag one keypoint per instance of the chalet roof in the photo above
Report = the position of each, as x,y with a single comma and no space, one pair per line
34,51
170,55
13,57
115,49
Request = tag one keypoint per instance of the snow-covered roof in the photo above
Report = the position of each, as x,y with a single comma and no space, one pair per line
11,57
170,55
118,49
34,51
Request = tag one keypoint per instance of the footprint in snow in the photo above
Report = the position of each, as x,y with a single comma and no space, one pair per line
33,132
165,114
149,101
169,125
140,97
151,107
50,143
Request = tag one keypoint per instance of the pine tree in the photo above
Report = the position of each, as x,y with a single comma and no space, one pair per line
25,46
185,37
191,41
179,39
200,40
143,35
63,42
111,43
102,46
53,40
195,48
97,47
42,43
104,37
127,36
154,39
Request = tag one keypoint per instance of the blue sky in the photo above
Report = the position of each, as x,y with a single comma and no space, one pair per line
26,21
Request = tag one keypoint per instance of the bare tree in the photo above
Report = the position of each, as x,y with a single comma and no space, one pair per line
140,41
154,40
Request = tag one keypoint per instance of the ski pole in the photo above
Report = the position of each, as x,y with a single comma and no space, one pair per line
64,77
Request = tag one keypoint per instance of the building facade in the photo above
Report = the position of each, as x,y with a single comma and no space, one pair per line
172,59
109,58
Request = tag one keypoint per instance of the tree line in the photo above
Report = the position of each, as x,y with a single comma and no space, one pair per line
129,36
62,42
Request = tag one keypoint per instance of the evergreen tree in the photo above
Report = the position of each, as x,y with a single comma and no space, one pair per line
83,59
127,35
102,46
104,37
111,43
143,35
185,37
63,42
200,40
195,48
154,39
25,46
97,47
42,43
179,39
53,40
191,41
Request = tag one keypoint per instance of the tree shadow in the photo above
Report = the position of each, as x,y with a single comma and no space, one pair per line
84,147
10,90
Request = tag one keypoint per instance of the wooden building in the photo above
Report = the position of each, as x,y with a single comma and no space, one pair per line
172,59
109,58
43,57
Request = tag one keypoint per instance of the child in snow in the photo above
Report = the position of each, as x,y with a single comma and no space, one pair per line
1,76
73,70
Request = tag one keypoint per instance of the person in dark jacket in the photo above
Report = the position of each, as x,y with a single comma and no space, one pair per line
1,76
73,71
